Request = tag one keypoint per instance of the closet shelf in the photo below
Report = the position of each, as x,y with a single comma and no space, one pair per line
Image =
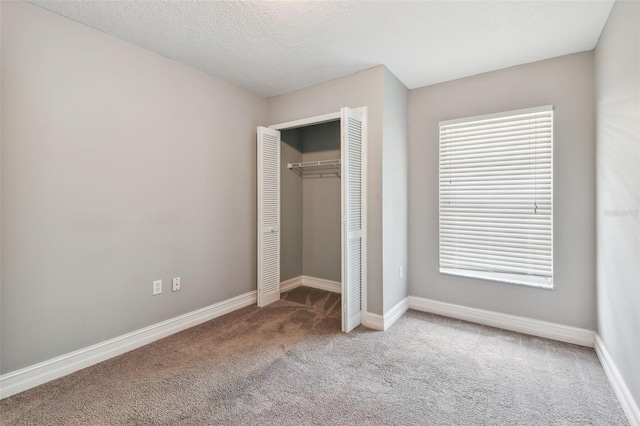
316,169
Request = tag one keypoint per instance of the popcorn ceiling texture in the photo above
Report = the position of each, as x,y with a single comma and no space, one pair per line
272,48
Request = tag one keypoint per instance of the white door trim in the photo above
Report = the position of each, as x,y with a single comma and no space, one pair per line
318,119
336,116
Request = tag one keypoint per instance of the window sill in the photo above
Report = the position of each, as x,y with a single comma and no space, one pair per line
524,280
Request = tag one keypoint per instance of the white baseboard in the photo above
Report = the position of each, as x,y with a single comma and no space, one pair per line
290,284
373,321
32,376
629,406
313,282
383,322
396,312
549,330
322,284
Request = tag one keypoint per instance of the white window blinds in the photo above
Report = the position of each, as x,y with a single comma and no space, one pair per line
496,197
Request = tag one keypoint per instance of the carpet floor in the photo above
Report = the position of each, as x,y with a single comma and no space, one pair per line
289,364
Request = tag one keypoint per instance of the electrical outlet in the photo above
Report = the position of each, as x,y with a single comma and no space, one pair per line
401,271
176,284
157,287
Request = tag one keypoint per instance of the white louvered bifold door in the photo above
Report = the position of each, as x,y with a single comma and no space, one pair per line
496,197
268,216
353,186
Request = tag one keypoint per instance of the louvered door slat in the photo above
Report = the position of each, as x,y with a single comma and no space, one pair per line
353,218
268,216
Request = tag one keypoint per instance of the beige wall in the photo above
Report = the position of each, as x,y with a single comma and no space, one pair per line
395,232
567,83
119,167
322,230
617,62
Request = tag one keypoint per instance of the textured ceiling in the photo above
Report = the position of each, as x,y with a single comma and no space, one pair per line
271,48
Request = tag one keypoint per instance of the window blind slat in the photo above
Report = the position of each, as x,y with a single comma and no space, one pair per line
527,124
474,138
503,159
497,123
497,171
500,260
463,230
516,164
495,248
495,147
489,119
496,196
504,180
481,217
490,238
493,223
487,266
496,212
503,146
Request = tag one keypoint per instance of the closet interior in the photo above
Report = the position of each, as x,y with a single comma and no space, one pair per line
310,203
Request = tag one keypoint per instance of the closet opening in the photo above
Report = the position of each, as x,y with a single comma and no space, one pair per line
311,210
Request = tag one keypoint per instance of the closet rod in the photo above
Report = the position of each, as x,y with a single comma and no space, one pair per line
316,168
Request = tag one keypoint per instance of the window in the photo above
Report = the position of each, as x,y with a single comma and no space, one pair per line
496,197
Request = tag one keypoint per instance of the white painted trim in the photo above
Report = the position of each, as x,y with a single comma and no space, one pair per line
318,119
549,330
322,284
34,375
335,116
395,313
313,282
290,284
629,406
373,321
384,322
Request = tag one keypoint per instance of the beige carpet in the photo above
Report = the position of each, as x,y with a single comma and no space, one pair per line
289,364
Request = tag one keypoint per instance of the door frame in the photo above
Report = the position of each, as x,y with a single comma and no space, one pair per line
318,119
337,116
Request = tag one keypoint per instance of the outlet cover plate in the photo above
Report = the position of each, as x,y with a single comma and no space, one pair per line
157,287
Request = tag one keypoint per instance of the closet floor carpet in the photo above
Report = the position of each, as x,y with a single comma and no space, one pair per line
289,364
